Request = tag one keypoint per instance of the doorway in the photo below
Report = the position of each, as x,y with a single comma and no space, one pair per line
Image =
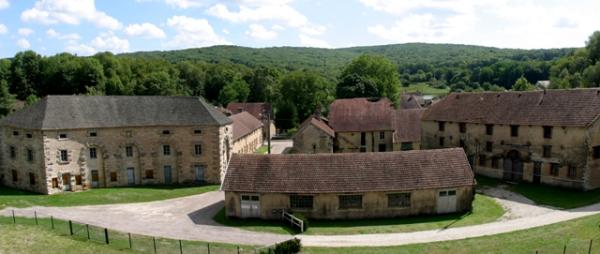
167,172
446,202
513,166
250,206
66,181
537,172
95,179
130,176
199,173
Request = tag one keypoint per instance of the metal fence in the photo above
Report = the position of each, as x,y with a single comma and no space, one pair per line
122,240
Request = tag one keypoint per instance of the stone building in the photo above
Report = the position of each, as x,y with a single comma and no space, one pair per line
260,110
349,185
314,136
362,125
549,137
407,129
247,133
72,143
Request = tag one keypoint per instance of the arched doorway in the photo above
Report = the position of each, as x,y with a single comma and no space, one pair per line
513,166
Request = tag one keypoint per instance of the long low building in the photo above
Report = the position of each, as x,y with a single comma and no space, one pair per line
349,185
247,133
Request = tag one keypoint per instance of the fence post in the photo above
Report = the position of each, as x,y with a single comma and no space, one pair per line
35,217
14,219
238,248
52,222
130,243
180,247
106,236
590,249
208,247
87,229
70,227
154,243
565,249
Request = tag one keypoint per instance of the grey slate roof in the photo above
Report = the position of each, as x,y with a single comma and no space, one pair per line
80,112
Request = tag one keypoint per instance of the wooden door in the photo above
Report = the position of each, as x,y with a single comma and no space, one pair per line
130,176
537,172
250,206
66,182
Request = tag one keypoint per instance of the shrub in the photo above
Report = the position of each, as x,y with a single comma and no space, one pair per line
304,219
288,247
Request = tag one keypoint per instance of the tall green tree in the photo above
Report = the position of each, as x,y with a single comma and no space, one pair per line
593,46
522,85
369,74
286,116
307,91
236,91
25,74
263,84
6,99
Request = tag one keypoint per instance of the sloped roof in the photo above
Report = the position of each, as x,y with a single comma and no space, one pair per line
243,124
348,172
407,125
318,123
361,114
78,112
254,108
410,101
575,107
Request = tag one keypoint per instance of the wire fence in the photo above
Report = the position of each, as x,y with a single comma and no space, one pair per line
122,240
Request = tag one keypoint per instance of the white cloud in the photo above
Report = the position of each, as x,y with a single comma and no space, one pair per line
3,29
25,31
69,12
54,34
308,41
103,42
4,4
23,43
185,4
193,32
81,49
145,30
266,10
260,32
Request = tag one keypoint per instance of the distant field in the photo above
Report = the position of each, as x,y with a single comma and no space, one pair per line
424,89
484,210
19,198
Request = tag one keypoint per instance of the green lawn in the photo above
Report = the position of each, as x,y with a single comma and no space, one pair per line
484,210
18,198
425,89
547,195
575,234
262,150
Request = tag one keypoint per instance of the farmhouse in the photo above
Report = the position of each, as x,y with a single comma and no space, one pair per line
407,129
247,133
549,137
260,110
314,136
349,185
72,143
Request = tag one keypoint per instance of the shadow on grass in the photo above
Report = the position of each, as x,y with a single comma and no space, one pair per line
264,225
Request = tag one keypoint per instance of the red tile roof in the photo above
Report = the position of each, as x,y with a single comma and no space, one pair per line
254,108
318,123
243,124
361,114
348,172
407,125
576,107
410,101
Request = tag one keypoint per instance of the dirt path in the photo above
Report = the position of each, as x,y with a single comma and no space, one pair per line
190,218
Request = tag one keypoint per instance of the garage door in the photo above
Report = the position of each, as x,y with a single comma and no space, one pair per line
446,201
250,205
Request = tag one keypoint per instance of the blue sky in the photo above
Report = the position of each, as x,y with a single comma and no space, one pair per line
85,27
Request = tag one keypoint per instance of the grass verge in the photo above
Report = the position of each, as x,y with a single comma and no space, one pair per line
484,210
262,150
425,89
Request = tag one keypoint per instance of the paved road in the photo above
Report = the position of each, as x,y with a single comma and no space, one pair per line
189,218
280,146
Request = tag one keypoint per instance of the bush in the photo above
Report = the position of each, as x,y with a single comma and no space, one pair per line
288,247
304,219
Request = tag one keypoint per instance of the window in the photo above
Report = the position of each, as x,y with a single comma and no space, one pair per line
382,147
95,176
78,180
554,169
441,126
482,160
54,182
29,135
31,179
547,153
350,201
93,154
13,152
381,135
547,131
489,129
62,136
166,132
149,174
250,197
64,155
93,134
363,139
197,132
514,130
441,141
406,146
489,146
495,163
113,176
399,200
29,155
596,152
166,150
572,172
461,143
462,127
198,149
15,133
301,202
129,151
15,176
